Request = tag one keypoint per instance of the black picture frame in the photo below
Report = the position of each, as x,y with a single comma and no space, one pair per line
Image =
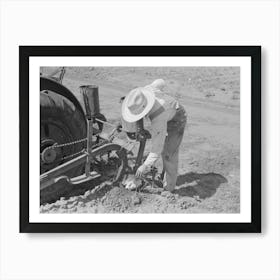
25,52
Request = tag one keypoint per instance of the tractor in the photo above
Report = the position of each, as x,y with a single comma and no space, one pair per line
74,149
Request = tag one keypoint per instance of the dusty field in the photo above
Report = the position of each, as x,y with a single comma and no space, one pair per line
208,180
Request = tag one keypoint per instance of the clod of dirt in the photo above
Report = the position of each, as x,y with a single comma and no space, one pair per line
136,200
167,194
81,204
187,203
131,182
152,190
121,200
61,202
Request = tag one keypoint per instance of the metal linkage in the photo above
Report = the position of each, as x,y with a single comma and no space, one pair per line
105,122
73,155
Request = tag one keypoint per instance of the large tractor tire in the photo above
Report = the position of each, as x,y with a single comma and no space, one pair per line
62,122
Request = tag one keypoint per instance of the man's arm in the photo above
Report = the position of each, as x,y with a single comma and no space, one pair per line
159,132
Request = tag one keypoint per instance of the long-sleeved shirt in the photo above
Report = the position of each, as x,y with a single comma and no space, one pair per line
163,111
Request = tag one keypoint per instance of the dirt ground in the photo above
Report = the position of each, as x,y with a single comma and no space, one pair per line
209,168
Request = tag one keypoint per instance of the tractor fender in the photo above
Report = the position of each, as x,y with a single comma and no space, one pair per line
52,85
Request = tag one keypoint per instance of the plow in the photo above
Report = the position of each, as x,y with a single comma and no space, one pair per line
75,151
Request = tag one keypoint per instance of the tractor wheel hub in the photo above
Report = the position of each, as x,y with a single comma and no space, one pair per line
49,155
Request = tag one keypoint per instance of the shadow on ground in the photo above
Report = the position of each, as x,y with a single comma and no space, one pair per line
199,185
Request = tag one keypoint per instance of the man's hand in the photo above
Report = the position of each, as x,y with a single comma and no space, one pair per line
174,104
141,170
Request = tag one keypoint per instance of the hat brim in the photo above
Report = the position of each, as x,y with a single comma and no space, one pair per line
128,116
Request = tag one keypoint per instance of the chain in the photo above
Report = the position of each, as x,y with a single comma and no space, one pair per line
55,146
65,144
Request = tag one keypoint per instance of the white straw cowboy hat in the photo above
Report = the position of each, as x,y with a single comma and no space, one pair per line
138,104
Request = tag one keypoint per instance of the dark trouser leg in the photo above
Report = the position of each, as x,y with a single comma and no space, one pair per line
170,154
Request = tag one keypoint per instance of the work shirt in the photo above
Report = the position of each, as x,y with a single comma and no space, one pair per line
163,111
